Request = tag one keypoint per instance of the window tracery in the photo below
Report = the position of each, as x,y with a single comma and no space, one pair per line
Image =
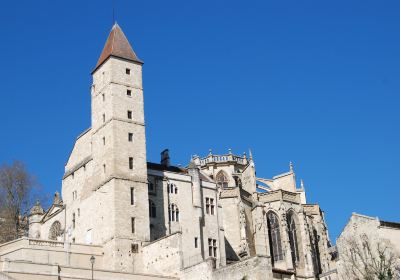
274,237
55,230
294,246
222,179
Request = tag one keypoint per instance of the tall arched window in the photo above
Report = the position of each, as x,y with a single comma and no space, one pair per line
173,213
222,179
152,209
274,234
294,246
55,230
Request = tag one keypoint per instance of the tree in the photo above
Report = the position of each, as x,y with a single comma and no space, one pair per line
362,259
16,190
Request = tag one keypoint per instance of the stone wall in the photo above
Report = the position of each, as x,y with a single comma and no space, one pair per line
255,268
163,256
20,270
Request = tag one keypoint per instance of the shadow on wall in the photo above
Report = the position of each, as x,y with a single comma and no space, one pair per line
231,255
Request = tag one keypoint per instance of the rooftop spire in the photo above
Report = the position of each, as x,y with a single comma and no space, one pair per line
117,45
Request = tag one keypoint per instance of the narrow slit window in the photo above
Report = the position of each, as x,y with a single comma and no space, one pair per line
131,163
130,137
128,71
129,92
130,115
132,196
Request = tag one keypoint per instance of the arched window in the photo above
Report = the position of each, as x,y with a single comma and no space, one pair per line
152,209
222,179
315,238
172,188
55,230
173,213
294,246
274,234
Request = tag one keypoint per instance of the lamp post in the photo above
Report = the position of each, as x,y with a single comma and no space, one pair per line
92,260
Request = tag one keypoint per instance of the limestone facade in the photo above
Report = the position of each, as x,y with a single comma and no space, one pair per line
363,236
214,219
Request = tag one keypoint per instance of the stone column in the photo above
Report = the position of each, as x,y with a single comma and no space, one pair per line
260,231
306,245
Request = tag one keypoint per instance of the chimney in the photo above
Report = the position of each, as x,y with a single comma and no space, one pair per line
165,158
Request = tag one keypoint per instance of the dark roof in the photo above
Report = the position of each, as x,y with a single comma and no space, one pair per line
176,169
390,224
161,167
117,45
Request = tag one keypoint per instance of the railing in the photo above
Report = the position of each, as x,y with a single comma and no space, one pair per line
49,243
223,158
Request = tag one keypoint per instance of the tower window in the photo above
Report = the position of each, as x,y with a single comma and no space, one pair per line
172,188
210,206
130,115
130,137
173,212
133,224
195,242
104,168
73,220
212,247
131,163
104,118
134,248
132,196
104,96
128,71
129,92
104,140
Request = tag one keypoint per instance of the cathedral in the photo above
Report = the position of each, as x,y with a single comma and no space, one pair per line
121,217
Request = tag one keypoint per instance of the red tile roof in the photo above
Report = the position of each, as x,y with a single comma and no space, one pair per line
117,45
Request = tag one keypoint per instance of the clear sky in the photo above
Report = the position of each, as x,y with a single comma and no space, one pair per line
313,82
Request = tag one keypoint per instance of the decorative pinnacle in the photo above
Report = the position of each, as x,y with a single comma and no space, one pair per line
209,151
302,183
291,166
230,151
250,154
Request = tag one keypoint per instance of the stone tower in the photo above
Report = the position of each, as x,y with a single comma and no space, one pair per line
119,149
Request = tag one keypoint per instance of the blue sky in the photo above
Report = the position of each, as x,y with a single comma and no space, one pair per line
313,82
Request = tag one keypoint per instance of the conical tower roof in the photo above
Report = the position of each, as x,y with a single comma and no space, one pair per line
117,45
